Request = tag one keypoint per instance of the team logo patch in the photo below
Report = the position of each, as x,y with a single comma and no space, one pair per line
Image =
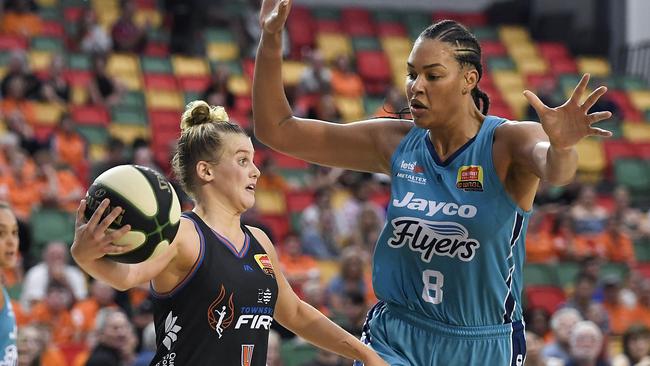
247,354
265,264
470,178
221,312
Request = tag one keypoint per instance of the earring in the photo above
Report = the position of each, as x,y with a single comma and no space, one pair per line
464,91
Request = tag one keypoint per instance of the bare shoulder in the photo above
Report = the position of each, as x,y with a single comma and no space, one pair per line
263,239
186,244
516,132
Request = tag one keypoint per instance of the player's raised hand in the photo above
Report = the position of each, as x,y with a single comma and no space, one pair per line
569,123
274,14
92,239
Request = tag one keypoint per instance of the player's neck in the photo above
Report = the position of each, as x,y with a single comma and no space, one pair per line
456,131
224,222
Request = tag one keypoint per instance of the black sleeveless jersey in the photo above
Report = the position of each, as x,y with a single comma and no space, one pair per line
221,313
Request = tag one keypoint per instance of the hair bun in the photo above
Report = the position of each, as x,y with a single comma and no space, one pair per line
199,112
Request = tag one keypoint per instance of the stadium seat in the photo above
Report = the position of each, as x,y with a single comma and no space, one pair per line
566,273
164,99
500,63
160,82
90,115
617,149
279,225
596,66
148,17
79,61
351,108
49,44
123,64
642,250
40,60
218,35
643,269
47,113
156,65
95,135
633,174
239,85
365,44
486,33
128,115
548,298
78,95
270,202
636,132
298,200
618,270
134,99
287,162
640,99
391,29
374,69
156,49
534,65
331,45
78,77
194,83
47,225
10,42
190,66
297,354
53,29
301,28
127,133
538,274
553,50
292,71
357,22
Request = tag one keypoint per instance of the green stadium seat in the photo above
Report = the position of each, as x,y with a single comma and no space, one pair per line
618,270
642,250
78,61
566,273
47,225
630,82
611,125
297,354
132,98
501,63
486,33
93,134
416,23
538,274
296,177
568,81
326,13
234,66
218,35
49,13
366,44
371,104
157,65
50,44
158,35
129,115
634,174
191,96
382,15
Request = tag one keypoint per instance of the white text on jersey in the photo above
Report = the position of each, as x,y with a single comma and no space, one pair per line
433,207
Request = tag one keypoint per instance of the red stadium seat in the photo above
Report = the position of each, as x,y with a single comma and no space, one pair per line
328,26
357,22
165,129
628,110
563,66
157,49
78,77
279,225
617,149
360,29
52,29
493,48
243,104
297,201
391,29
194,83
467,19
374,69
552,51
72,14
91,115
288,162
545,297
9,42
644,269
300,26
534,81
160,81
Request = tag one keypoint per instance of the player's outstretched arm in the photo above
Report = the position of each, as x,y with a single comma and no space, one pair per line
547,149
92,242
310,324
365,146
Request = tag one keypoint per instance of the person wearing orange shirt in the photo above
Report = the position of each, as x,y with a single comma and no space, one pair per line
618,244
298,267
621,316
345,82
53,312
33,349
67,145
84,313
20,21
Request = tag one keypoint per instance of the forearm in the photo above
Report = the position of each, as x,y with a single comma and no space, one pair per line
317,329
115,274
561,165
270,105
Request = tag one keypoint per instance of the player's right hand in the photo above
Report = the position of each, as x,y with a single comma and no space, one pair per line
274,14
91,239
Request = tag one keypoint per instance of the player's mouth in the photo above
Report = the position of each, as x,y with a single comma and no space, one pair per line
417,107
251,188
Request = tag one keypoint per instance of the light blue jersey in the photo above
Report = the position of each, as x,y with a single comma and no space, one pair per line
452,249
8,333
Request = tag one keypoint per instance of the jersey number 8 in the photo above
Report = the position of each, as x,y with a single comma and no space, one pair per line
432,291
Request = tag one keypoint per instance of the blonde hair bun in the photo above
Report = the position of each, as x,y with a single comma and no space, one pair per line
199,112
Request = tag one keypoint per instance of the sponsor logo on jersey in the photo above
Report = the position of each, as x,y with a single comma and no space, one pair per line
221,312
431,208
171,331
247,354
414,172
264,296
265,264
470,178
429,238
248,268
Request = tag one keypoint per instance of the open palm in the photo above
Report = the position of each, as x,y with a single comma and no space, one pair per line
274,14
569,123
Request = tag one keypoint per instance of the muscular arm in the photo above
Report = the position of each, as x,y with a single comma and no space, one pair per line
364,146
307,322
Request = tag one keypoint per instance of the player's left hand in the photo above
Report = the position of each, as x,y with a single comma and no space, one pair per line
569,123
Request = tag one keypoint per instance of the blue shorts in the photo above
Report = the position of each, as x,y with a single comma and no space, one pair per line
403,338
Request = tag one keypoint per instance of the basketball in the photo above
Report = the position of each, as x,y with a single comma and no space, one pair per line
150,205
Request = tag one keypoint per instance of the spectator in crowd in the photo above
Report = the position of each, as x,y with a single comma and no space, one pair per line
20,20
562,323
369,226
317,77
33,348
586,343
271,179
320,231
537,322
103,89
55,88
91,36
351,277
297,267
394,104
217,92
355,308
618,244
148,349
18,108
273,356
313,293
628,216
115,155
324,106
53,267
589,218
583,293
348,215
85,311
67,145
143,156
345,82
116,340
59,185
620,316
540,244
636,347
127,35
18,68
534,346
54,312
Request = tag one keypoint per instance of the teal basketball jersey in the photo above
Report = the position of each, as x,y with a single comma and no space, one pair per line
452,248
8,333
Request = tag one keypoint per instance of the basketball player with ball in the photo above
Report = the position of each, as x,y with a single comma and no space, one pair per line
217,284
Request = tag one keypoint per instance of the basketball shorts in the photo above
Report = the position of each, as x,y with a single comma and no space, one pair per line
403,338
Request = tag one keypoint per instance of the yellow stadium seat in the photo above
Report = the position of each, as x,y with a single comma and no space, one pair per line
328,270
3,71
239,85
269,202
591,156
150,16
105,4
596,66
123,64
96,152
190,66
164,99
79,95
523,51
128,133
292,71
351,108
513,34
638,132
507,80
47,3
47,114
398,71
106,18
640,99
131,81
517,102
536,65
40,60
331,45
396,45
222,51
